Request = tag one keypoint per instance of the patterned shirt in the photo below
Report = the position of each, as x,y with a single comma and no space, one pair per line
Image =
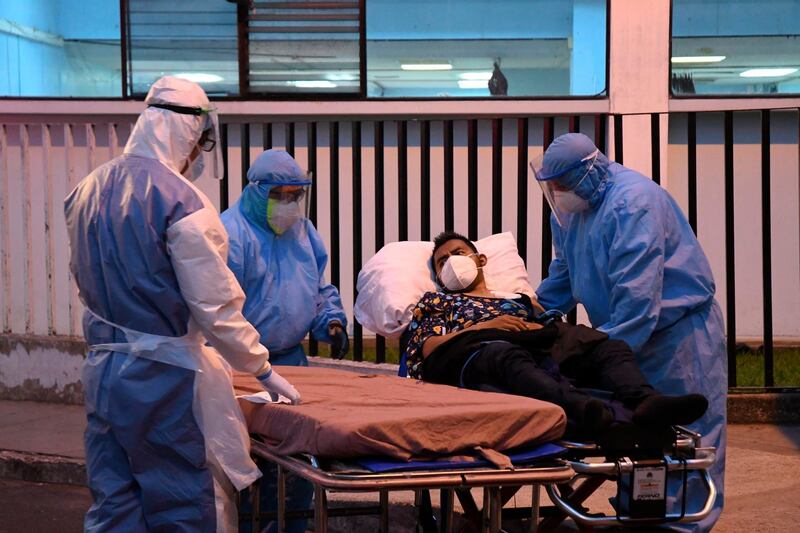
439,313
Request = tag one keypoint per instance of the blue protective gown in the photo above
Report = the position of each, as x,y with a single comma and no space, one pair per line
635,265
145,454
283,277
166,442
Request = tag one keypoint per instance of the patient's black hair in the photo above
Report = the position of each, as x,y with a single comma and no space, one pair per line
446,236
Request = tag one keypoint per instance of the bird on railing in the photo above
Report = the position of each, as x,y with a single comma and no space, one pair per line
498,84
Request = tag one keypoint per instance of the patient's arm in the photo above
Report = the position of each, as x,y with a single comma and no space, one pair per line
503,322
430,324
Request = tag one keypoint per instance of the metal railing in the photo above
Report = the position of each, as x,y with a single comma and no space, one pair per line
471,129
764,179
400,179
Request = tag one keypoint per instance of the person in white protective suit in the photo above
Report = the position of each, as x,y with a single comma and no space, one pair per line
166,444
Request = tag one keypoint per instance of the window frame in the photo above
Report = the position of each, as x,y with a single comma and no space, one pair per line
360,96
674,96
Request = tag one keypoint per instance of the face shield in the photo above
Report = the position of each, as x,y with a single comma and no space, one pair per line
562,198
287,204
210,155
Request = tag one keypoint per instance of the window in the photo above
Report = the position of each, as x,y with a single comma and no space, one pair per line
60,48
483,48
303,47
339,48
194,40
739,47
247,48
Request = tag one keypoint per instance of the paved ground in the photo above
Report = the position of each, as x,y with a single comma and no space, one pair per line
762,485
42,428
27,507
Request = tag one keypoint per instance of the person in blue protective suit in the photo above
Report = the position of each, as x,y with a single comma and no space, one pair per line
625,251
166,444
279,259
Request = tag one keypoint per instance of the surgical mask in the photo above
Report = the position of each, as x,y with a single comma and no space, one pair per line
282,215
195,168
459,272
569,202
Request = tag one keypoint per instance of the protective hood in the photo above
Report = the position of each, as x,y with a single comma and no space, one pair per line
277,167
270,169
170,136
567,160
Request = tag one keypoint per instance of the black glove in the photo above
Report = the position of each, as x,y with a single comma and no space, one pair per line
340,343
548,317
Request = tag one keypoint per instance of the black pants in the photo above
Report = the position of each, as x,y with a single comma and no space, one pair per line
610,366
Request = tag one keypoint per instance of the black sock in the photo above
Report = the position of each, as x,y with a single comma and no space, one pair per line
670,410
595,419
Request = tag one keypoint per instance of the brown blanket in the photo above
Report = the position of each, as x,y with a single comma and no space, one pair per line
345,414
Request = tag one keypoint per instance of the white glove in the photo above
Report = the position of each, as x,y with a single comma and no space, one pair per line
274,382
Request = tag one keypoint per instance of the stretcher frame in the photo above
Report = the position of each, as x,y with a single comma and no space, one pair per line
448,480
567,481
687,455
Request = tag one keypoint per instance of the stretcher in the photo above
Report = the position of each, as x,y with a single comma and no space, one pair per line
325,477
568,481
642,464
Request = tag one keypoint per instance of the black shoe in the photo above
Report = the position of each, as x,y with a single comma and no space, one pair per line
670,410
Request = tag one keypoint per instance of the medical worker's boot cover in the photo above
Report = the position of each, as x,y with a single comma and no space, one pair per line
670,410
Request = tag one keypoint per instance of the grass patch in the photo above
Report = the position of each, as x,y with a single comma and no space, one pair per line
749,363
750,367
368,351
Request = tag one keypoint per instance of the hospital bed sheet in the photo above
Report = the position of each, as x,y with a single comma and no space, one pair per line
347,415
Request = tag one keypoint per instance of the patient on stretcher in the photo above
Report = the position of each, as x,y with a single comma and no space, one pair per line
469,336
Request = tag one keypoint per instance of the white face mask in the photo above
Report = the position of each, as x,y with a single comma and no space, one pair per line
282,215
569,202
195,168
459,272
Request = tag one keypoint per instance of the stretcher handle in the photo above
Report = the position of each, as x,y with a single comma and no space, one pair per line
604,520
705,458
684,442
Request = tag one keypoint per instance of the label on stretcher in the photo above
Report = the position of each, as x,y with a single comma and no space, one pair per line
649,483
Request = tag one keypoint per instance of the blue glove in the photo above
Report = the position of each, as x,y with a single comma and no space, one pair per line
276,384
340,342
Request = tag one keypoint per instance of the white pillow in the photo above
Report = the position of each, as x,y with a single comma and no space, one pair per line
394,280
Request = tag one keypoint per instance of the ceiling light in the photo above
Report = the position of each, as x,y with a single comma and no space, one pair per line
473,84
339,76
426,66
767,72
485,76
697,59
199,77
313,84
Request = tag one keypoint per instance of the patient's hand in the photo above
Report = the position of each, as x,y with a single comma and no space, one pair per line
508,323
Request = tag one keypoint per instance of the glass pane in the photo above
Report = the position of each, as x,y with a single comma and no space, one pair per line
60,48
304,46
481,48
195,40
735,47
